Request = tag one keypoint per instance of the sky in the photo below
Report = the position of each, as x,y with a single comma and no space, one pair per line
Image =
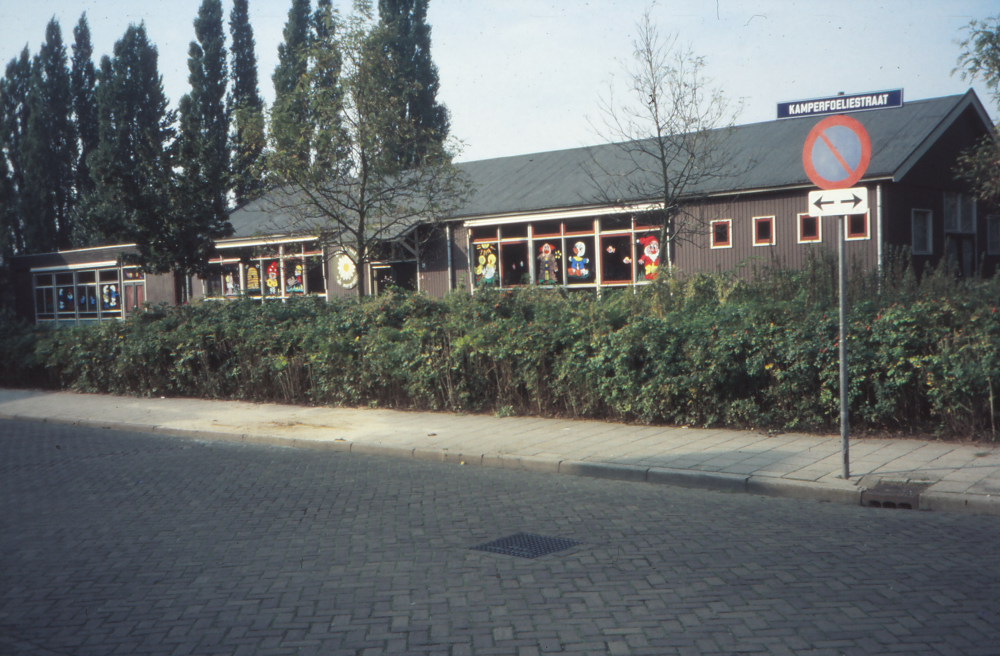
524,76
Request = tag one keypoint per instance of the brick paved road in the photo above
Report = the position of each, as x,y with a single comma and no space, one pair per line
117,543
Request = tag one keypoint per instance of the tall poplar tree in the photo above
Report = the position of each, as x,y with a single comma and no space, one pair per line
14,100
204,129
49,150
289,114
416,80
246,106
84,79
132,164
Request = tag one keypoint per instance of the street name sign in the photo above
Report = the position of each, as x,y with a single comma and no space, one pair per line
836,152
859,102
838,202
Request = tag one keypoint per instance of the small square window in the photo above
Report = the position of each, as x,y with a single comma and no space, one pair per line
721,234
923,243
809,228
993,234
763,231
857,226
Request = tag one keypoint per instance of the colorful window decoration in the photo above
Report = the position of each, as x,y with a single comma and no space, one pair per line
293,277
486,267
231,281
253,279
272,286
650,259
109,297
66,299
578,262
548,264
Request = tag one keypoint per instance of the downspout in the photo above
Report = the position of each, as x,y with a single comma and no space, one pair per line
451,275
878,227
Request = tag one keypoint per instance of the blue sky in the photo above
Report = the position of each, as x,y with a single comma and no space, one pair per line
524,76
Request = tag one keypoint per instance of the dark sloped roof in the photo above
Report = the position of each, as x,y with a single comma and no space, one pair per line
560,179
565,178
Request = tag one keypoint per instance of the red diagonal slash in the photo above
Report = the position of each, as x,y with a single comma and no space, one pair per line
843,162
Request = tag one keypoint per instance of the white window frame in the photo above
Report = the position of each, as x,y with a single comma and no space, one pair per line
868,227
756,219
711,236
959,203
819,228
928,217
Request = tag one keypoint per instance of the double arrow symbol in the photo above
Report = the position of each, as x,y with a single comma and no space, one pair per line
854,200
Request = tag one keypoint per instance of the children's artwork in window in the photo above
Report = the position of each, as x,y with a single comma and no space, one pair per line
86,296
650,260
109,297
133,274
548,265
578,262
253,279
271,282
293,277
231,281
66,299
486,267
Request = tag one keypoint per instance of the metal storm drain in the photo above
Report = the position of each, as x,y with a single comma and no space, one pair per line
893,495
526,545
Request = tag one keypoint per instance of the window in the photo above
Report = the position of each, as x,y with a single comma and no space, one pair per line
721,234
993,234
923,243
86,295
810,229
959,213
763,231
857,226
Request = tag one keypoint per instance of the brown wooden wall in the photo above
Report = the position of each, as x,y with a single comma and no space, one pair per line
695,254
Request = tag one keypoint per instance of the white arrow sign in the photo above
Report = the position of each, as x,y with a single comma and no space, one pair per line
837,202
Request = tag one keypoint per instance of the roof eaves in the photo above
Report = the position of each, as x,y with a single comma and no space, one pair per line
946,122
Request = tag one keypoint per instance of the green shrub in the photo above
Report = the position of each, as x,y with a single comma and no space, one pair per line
758,351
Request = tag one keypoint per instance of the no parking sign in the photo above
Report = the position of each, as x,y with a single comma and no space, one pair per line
836,152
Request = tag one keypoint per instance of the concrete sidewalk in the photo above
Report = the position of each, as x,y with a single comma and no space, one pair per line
925,474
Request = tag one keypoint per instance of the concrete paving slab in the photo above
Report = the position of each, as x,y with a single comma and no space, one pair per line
783,465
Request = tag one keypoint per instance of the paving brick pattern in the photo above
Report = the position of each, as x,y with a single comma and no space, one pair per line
120,543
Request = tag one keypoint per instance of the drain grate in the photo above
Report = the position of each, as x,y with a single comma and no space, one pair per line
526,545
894,495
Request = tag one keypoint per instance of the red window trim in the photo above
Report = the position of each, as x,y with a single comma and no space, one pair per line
757,220
847,228
729,234
819,230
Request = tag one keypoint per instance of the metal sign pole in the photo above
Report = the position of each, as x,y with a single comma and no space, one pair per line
842,285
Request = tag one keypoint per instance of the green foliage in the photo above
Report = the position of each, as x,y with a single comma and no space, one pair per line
245,105
416,81
706,350
14,115
83,79
49,150
980,59
289,115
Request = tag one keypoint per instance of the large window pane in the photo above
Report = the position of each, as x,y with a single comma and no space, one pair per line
486,264
580,260
548,271
514,264
616,259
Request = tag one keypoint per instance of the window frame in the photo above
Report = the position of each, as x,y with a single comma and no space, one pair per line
819,228
757,220
729,233
929,219
992,220
847,227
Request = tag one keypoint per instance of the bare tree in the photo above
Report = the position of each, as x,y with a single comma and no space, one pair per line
351,191
672,137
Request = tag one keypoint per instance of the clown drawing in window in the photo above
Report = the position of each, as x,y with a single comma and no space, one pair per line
548,265
578,263
272,279
650,259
